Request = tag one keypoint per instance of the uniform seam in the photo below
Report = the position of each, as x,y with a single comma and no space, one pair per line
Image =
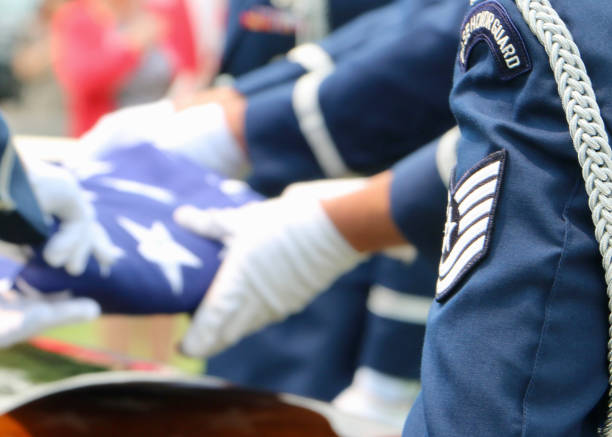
549,300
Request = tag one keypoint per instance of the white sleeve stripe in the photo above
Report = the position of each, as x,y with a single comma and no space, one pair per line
311,57
313,126
446,154
390,304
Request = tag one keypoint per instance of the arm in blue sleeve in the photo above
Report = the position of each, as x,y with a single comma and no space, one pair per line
364,30
393,98
418,201
277,150
397,310
375,107
269,76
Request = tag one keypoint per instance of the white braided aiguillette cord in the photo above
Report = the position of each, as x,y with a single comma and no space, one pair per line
588,135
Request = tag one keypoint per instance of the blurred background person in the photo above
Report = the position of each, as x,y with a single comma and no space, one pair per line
13,16
33,103
114,53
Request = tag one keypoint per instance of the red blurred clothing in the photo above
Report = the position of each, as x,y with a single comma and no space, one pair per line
92,60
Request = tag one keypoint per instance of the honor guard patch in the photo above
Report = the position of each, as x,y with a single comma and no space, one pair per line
469,221
490,22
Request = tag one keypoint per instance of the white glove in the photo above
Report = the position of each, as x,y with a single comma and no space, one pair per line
80,235
199,133
280,255
379,397
125,127
23,317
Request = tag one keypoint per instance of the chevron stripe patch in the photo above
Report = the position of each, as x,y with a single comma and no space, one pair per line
469,221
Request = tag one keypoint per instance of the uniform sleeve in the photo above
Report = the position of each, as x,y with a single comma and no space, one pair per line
374,107
418,197
398,304
323,55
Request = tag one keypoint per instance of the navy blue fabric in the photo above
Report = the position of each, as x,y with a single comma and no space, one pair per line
369,28
24,223
394,346
316,352
381,102
137,284
343,11
268,76
277,150
246,50
520,348
313,353
420,212
402,102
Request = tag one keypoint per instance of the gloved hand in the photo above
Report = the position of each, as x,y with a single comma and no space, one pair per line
378,396
141,123
200,133
22,317
80,235
280,254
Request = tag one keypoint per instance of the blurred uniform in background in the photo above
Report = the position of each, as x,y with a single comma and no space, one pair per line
260,30
110,54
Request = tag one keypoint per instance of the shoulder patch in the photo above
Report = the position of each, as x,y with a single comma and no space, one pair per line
489,22
469,221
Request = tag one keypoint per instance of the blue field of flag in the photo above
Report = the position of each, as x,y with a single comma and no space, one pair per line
164,268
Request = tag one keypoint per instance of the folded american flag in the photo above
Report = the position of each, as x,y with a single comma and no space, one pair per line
164,268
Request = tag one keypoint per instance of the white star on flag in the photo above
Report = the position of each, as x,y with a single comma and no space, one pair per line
157,246
155,193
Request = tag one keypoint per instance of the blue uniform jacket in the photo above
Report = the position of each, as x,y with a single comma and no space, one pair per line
372,108
516,340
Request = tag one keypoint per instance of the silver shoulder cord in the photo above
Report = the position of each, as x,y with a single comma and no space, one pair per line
588,135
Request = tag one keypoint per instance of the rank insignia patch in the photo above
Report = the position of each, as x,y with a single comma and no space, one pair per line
469,221
489,22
